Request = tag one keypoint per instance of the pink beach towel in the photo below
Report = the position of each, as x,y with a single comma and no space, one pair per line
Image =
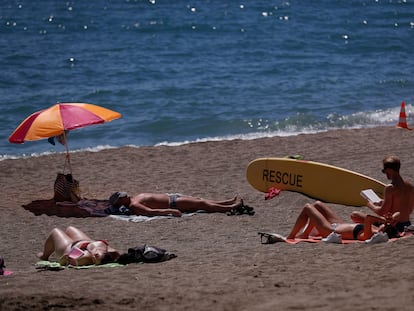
317,239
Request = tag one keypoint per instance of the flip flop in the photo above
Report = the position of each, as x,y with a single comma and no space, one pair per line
244,209
48,265
271,238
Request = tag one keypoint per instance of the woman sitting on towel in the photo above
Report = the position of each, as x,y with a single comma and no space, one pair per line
320,217
73,247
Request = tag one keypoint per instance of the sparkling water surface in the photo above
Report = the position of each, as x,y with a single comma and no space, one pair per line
185,71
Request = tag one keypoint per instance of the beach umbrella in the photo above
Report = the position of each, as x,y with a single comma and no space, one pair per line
58,119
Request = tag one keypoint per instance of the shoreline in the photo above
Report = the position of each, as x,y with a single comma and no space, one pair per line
99,148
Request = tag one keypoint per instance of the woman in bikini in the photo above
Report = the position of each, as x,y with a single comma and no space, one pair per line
320,217
74,247
319,220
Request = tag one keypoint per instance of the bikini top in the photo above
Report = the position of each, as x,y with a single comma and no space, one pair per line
78,252
85,244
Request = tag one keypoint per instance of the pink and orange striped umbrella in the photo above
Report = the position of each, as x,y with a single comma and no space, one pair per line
59,118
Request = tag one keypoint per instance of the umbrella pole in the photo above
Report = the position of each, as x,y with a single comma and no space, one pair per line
67,160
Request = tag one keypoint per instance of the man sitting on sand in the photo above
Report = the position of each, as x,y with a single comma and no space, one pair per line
398,196
160,204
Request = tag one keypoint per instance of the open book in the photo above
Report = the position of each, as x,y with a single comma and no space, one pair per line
370,195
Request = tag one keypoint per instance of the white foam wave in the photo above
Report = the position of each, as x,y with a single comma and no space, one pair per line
388,117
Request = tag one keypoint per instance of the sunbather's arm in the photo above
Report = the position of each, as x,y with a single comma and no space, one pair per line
140,209
384,206
85,260
81,261
64,260
369,228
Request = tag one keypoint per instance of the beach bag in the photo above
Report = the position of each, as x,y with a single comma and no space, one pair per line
145,253
391,231
117,210
66,188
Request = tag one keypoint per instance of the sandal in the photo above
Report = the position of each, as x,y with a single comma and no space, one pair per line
244,209
48,265
271,238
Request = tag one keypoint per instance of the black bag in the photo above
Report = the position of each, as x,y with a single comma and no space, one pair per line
114,210
145,253
392,231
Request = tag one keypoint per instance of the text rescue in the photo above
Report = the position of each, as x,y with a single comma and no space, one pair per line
284,178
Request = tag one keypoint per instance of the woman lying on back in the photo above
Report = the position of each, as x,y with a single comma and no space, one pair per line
73,247
320,217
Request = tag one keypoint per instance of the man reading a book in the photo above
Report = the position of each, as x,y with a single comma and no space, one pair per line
398,196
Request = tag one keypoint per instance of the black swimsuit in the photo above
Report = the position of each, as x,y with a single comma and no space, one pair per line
357,230
173,199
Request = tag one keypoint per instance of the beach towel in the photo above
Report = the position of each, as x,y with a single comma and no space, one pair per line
96,208
81,209
6,273
55,266
137,254
86,208
140,218
244,210
271,238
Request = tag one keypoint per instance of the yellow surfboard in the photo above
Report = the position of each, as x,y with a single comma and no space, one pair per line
317,180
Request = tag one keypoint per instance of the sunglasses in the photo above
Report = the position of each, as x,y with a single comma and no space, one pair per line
393,166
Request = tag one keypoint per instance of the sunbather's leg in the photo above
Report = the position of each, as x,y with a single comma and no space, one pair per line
192,204
316,219
301,222
57,242
225,202
358,217
307,229
76,234
327,212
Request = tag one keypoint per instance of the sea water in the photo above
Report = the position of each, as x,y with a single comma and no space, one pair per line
187,71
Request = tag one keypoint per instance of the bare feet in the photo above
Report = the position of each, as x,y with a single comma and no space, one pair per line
231,201
238,203
40,256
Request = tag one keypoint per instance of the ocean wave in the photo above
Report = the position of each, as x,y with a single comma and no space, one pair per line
260,128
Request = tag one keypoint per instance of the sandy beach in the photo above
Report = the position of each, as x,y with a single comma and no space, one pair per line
220,264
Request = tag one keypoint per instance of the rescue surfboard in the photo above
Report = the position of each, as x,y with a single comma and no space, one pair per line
319,181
